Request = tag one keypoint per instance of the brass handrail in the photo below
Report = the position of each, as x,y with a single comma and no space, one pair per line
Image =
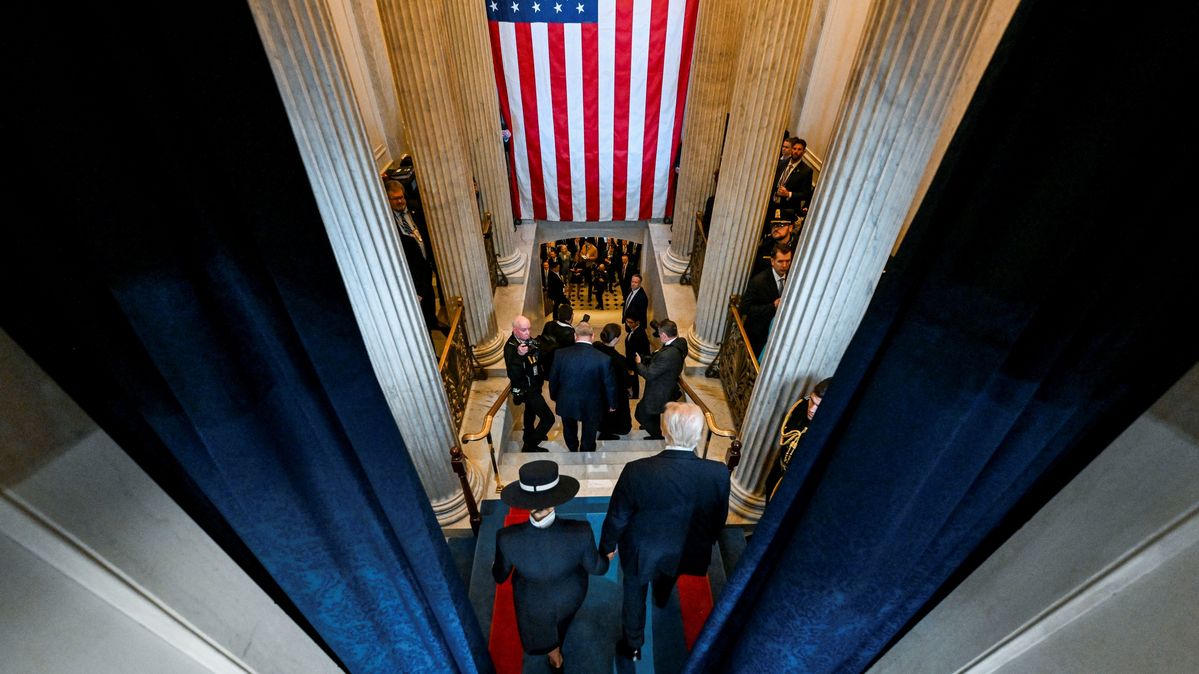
455,322
736,364
485,433
456,365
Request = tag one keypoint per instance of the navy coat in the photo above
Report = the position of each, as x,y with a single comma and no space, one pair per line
665,514
549,570
582,383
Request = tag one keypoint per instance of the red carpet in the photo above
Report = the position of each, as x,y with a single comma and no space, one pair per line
695,602
504,641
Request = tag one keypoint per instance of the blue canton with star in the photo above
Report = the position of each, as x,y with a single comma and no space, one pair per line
543,11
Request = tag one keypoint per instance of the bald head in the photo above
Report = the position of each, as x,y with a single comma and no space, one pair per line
520,327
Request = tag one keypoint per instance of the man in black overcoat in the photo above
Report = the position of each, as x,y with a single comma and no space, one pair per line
636,303
617,422
522,359
665,514
661,372
584,387
548,558
556,287
760,302
556,334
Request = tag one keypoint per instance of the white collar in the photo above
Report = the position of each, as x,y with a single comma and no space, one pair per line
777,278
670,341
679,448
544,523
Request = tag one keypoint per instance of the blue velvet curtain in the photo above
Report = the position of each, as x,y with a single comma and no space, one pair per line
172,272
1040,303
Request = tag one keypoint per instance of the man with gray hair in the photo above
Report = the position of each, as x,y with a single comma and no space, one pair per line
583,386
665,514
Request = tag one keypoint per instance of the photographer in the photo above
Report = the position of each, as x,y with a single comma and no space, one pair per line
522,359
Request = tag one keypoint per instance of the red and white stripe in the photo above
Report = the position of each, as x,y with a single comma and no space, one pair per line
596,110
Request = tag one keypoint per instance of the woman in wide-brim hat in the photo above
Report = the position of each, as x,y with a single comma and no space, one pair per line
549,559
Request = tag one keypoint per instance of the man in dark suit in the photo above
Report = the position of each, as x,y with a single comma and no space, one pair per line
618,422
556,287
661,371
665,514
636,303
761,299
556,334
409,226
624,275
782,230
583,386
793,180
636,343
548,558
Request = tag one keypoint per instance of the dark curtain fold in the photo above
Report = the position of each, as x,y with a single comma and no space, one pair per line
173,274
1040,303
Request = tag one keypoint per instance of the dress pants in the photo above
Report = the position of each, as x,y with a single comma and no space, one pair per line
570,434
633,608
650,421
536,409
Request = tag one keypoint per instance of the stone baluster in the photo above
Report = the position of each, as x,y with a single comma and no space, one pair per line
717,36
308,67
911,58
761,100
480,110
426,86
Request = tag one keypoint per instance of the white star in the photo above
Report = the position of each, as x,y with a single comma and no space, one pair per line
558,7
494,6
536,7
515,7
580,6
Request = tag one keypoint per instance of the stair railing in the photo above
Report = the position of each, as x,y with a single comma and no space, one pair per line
736,364
695,265
457,364
485,433
734,455
497,275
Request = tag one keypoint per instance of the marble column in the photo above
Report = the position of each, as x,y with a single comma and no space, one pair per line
427,88
717,36
298,37
480,110
905,74
760,107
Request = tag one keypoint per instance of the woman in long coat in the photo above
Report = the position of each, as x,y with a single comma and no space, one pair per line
548,558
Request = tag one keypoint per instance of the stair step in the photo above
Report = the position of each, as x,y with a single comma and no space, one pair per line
556,446
576,458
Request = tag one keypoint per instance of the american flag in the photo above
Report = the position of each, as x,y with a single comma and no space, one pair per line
593,92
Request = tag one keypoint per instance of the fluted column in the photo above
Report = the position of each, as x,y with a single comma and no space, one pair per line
427,89
480,110
717,37
298,36
911,57
761,103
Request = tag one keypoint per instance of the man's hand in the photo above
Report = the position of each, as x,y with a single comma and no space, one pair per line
612,554
638,356
776,302
522,349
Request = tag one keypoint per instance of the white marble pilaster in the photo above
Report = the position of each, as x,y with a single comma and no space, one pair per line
760,107
298,37
911,58
717,38
426,85
480,110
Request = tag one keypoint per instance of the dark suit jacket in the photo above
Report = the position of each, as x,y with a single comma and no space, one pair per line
799,183
757,308
620,421
661,372
581,383
555,288
665,514
623,276
419,258
553,337
549,570
635,308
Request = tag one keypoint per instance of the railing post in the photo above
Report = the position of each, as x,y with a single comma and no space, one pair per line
472,507
734,456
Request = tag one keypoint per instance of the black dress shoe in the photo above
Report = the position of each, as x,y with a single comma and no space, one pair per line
624,650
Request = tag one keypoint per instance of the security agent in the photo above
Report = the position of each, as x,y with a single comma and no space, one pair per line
522,359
